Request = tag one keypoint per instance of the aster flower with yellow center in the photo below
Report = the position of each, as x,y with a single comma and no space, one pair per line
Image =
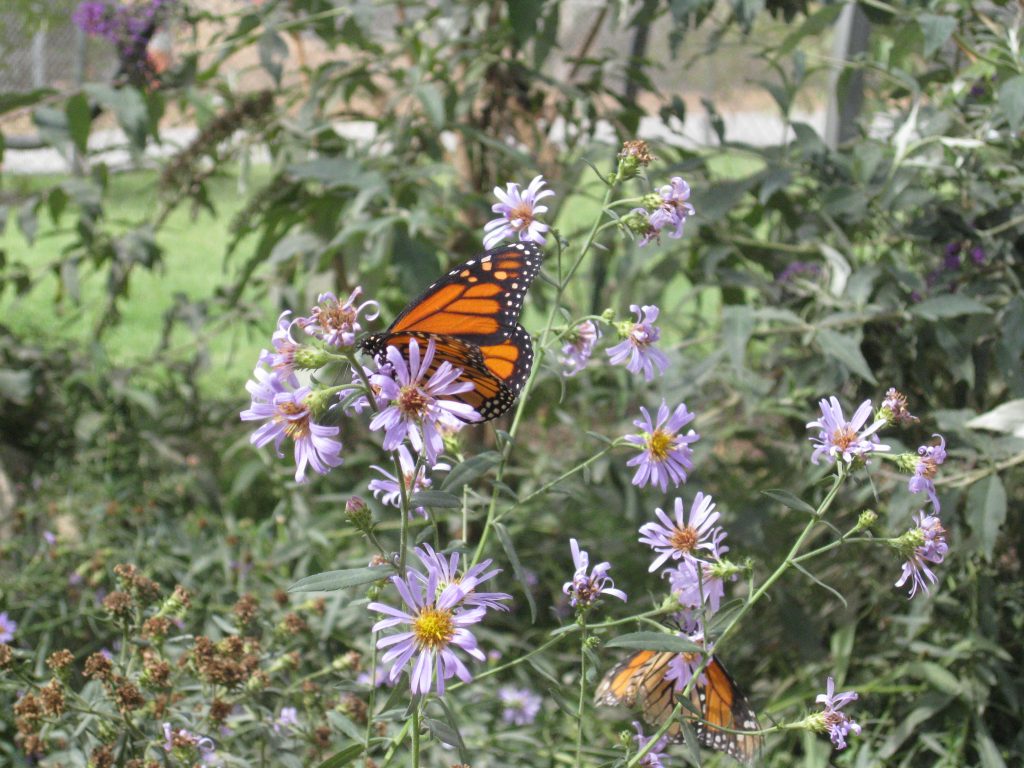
435,623
665,451
286,410
517,214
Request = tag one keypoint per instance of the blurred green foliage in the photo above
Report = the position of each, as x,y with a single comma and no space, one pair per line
891,260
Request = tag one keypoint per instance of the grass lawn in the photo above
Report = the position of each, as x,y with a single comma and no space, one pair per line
193,265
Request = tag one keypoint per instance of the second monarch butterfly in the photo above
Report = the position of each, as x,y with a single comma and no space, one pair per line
472,316
640,680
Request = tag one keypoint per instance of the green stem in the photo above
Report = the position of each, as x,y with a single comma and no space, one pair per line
583,688
416,735
531,380
373,691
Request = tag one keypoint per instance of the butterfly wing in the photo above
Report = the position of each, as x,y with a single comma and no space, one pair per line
478,301
639,680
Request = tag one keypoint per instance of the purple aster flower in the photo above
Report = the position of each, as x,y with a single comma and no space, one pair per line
519,705
517,214
389,490
683,666
380,678
838,724
578,347
674,209
922,545
665,452
8,627
951,259
894,409
637,348
693,582
839,437
447,569
654,758
978,255
50,537
680,539
287,720
437,622
335,322
931,456
282,359
585,588
418,400
187,744
288,415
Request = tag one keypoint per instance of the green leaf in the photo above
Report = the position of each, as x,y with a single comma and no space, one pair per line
79,115
1011,101
343,758
950,305
431,98
940,678
524,14
469,470
1006,417
127,104
986,502
273,51
815,23
517,567
787,499
330,581
438,499
655,641
846,350
9,101
459,744
335,172
936,31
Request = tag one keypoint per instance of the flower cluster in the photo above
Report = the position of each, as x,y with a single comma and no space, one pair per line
667,210
129,27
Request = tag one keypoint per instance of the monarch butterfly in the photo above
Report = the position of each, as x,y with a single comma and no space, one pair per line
472,315
640,679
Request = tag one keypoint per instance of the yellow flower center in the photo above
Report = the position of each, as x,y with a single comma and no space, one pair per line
684,539
338,316
297,428
433,628
659,443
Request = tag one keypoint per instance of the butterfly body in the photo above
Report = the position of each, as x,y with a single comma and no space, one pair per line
639,681
472,316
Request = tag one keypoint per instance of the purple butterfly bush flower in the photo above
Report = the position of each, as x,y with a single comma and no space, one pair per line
658,754
95,18
637,350
846,439
588,584
447,569
923,545
419,407
437,622
414,479
665,451
680,538
694,583
519,705
930,457
287,414
8,627
838,724
578,347
336,322
517,214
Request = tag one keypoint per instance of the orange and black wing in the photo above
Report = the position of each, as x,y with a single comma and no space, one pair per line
497,371
478,301
639,681
723,704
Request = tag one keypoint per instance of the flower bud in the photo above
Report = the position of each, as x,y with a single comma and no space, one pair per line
866,520
310,358
358,514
